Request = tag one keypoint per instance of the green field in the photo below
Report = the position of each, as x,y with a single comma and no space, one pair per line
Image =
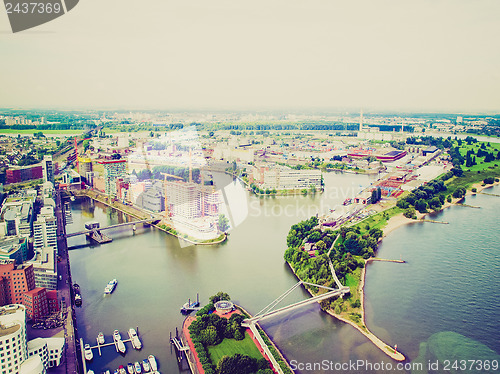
230,347
481,165
49,132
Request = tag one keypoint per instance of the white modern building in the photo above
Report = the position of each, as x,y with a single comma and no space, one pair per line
17,355
284,178
45,229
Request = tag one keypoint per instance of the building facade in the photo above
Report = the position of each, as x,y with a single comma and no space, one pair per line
15,280
47,169
113,169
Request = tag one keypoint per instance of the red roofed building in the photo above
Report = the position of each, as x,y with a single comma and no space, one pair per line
36,303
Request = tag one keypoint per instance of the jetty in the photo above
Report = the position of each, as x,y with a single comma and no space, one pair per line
191,306
98,346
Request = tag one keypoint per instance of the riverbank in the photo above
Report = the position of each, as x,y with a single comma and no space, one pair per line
140,215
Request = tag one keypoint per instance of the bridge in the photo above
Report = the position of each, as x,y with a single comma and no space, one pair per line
269,311
91,231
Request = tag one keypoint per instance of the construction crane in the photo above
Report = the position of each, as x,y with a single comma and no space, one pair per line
166,175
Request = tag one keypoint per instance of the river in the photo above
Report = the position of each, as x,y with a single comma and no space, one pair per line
156,276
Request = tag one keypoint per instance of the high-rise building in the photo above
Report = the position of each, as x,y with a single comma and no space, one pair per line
48,169
113,169
45,229
187,200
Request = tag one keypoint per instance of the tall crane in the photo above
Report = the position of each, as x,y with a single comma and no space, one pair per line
166,175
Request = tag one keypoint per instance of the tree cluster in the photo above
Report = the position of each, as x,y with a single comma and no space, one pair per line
242,364
425,197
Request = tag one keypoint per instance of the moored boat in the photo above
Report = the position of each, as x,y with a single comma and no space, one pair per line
130,368
137,368
153,363
88,352
100,338
121,369
145,365
120,346
134,339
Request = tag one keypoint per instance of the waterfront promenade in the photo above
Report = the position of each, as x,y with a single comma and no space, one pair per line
70,364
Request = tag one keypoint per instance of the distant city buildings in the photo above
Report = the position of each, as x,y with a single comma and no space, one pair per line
284,178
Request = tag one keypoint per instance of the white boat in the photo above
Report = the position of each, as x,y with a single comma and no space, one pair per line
107,372
152,362
137,368
145,365
120,346
121,369
130,368
110,287
134,339
88,352
90,372
100,338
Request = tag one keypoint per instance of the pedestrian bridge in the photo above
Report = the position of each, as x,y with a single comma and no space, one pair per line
269,311
146,221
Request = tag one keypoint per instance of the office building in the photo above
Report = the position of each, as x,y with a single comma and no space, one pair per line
113,169
45,229
15,280
48,169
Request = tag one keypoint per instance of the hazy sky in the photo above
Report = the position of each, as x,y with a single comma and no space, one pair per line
420,55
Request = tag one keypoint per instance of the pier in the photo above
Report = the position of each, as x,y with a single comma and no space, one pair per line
191,306
98,346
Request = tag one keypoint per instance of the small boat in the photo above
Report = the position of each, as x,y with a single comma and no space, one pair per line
78,299
110,287
145,365
137,368
116,335
116,371
120,346
134,339
130,368
106,372
90,372
100,338
152,363
121,369
88,352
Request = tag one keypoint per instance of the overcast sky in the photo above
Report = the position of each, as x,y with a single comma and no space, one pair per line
425,55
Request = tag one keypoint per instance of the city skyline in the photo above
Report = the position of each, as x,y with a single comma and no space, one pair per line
375,56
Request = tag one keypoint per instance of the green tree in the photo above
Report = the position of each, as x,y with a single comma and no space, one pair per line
219,296
223,223
86,145
421,205
321,246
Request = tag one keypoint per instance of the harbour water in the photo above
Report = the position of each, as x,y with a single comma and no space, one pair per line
447,285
